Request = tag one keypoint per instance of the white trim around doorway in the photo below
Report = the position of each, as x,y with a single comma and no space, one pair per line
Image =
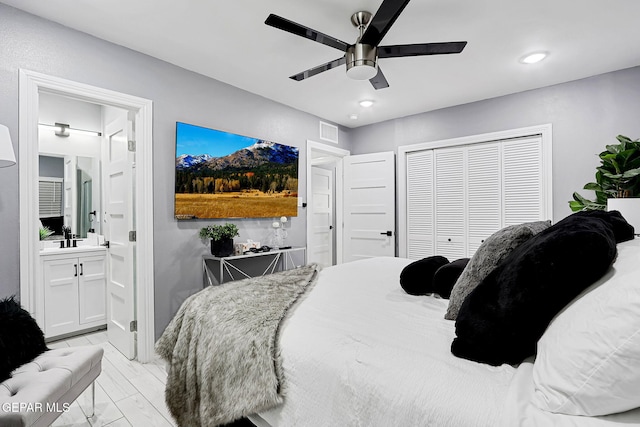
30,84
338,154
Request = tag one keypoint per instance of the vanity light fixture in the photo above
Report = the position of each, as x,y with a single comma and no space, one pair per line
7,156
366,103
534,57
64,130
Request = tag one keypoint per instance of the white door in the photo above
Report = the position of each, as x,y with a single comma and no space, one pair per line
369,206
420,210
60,296
484,193
70,193
320,246
92,304
118,185
450,203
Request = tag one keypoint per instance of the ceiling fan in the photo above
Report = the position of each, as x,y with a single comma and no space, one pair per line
361,57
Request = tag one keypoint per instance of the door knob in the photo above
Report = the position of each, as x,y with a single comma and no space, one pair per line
387,233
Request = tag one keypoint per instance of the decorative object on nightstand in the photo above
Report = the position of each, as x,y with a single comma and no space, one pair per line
618,176
221,238
278,233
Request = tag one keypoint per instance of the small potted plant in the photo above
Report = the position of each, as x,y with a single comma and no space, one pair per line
45,232
221,238
617,177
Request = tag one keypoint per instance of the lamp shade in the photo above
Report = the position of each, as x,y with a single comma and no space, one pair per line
7,156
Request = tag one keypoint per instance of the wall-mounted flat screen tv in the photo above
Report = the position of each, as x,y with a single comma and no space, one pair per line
223,175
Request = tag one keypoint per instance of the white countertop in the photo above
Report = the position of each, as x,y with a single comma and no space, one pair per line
77,250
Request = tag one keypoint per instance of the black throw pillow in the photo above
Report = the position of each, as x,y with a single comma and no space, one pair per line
417,277
622,230
503,318
447,275
21,339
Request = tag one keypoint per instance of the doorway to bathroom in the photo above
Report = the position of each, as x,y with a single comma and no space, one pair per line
127,184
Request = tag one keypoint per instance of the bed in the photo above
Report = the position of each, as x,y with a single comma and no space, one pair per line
386,362
354,349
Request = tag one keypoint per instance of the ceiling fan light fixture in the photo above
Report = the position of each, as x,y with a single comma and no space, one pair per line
362,72
361,58
533,58
362,61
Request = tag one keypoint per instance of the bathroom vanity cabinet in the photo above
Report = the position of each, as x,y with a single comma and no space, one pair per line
74,290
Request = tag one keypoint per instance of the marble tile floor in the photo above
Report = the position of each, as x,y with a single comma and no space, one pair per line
128,393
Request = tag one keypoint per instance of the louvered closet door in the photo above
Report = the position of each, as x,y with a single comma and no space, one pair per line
450,203
484,188
523,180
420,242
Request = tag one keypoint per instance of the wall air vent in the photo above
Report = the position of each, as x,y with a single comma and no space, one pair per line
328,132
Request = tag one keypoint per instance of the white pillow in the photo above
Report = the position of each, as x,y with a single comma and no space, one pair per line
588,360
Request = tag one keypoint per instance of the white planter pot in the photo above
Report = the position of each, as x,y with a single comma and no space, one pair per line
629,208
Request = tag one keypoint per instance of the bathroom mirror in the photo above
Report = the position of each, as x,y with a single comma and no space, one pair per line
68,188
70,164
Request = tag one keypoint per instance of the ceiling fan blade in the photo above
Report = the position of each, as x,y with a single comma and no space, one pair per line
420,49
382,21
302,31
319,69
379,81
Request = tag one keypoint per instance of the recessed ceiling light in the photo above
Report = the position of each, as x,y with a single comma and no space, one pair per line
532,58
353,116
366,103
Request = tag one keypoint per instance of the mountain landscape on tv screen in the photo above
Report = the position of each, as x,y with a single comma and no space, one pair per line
257,181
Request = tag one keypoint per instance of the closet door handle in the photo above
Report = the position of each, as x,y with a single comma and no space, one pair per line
81,269
75,266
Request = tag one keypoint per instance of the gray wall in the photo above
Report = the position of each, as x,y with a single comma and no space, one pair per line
178,95
52,167
586,115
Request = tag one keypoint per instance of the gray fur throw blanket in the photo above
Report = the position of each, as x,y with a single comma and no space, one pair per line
222,348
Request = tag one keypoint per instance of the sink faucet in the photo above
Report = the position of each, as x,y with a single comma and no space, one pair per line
67,235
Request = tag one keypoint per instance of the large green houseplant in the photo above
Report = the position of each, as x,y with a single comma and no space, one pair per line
617,176
221,238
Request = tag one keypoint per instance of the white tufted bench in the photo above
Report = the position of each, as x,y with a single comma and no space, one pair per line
39,391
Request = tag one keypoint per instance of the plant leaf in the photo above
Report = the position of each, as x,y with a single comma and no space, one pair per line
615,149
601,197
631,173
578,198
592,186
612,176
623,139
575,206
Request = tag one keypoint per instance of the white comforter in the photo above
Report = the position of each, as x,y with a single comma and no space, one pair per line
359,351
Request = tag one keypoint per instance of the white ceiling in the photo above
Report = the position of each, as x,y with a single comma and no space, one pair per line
228,41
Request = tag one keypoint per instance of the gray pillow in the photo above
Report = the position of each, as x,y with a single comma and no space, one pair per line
490,253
